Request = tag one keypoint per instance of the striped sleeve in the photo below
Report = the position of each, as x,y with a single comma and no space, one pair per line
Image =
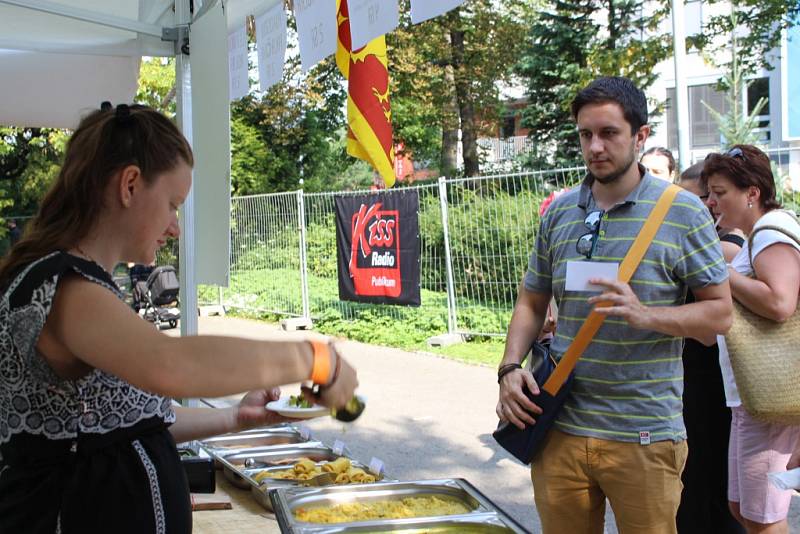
701,262
539,277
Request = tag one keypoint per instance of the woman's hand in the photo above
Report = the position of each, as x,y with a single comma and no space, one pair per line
252,411
342,386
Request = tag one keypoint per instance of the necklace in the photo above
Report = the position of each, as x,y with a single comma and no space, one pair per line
91,259
85,255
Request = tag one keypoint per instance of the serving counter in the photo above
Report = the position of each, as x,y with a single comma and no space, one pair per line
317,489
245,517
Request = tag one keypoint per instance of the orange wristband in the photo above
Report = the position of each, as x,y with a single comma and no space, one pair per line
321,368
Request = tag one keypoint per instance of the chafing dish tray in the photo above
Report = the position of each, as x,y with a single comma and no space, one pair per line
482,516
260,489
234,465
232,443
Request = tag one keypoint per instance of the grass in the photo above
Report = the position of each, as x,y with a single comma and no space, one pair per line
476,352
393,326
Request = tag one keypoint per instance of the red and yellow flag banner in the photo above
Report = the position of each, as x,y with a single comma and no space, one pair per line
369,115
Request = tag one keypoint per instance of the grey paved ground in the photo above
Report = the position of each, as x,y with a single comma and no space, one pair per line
426,417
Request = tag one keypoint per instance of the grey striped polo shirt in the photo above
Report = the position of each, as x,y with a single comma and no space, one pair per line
628,380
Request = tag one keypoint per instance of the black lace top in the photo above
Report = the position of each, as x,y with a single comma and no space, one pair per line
32,398
86,455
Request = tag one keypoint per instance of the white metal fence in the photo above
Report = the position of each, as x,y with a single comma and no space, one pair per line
476,235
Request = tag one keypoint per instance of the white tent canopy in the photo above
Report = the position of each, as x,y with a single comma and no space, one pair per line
59,59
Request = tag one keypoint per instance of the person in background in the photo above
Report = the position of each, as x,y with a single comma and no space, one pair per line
88,430
734,238
620,434
704,500
765,280
660,162
14,233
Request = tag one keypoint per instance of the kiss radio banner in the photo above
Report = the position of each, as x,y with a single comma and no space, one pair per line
377,242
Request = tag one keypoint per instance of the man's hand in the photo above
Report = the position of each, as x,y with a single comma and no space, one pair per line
514,405
619,300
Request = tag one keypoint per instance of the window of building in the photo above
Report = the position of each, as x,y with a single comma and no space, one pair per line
693,18
509,126
705,130
672,120
756,90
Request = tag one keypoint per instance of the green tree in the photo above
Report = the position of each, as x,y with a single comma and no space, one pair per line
759,24
157,84
569,44
445,75
737,126
29,161
289,136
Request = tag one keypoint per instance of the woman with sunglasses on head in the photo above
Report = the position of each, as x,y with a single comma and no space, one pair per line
742,191
704,499
87,426
731,239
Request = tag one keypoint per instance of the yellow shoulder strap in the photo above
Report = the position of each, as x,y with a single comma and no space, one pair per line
626,270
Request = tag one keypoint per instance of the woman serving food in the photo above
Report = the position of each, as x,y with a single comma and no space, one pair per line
87,425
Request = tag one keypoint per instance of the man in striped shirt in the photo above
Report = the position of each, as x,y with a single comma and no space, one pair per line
620,433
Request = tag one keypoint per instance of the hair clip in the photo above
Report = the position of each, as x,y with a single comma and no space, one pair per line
123,114
105,106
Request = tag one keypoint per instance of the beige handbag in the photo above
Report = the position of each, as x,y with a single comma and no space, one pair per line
765,356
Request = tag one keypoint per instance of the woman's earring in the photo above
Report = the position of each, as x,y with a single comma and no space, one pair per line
749,204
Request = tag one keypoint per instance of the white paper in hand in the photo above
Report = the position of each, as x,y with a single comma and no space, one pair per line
786,480
579,273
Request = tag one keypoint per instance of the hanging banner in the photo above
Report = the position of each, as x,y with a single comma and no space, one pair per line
378,247
271,45
316,30
370,19
239,82
422,10
369,113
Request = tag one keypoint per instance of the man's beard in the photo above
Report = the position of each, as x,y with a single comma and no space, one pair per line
614,175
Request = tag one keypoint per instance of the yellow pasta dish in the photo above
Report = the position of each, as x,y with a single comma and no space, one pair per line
400,509
305,469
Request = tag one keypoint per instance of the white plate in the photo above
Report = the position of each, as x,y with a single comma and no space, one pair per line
282,407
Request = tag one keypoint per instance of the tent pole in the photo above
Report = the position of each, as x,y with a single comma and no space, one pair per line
188,290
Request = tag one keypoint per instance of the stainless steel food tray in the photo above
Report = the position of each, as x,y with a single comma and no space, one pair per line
260,490
233,443
280,455
483,517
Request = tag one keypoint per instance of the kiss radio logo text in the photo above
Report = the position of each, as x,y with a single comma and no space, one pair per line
374,263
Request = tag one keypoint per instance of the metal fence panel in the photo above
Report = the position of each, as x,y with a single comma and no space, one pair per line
491,225
265,257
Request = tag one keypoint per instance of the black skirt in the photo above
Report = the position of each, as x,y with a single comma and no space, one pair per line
127,481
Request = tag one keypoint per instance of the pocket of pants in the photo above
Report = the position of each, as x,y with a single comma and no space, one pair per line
680,452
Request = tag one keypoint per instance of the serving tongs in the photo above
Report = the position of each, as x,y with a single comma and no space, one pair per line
325,478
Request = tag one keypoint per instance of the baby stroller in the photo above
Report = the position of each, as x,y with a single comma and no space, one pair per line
155,294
